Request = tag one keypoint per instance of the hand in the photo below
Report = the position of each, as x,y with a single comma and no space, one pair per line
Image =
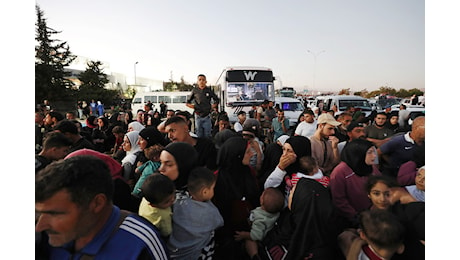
286,160
334,140
240,235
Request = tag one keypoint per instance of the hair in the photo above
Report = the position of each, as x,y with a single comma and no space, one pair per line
153,152
374,179
344,114
66,126
308,111
70,112
273,200
57,115
402,105
183,113
83,177
382,113
55,139
199,178
201,75
157,187
382,228
175,120
118,130
307,164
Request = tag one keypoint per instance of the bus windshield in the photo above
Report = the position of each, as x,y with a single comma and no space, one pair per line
248,91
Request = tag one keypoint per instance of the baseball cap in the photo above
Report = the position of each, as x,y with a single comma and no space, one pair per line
354,124
328,119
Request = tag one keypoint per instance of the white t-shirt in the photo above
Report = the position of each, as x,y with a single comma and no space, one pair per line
306,129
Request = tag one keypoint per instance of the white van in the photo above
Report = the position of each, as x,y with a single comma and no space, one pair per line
174,100
342,102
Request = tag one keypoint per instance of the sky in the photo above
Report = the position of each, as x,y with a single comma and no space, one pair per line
309,45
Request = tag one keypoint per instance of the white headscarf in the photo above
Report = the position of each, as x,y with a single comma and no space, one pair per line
136,126
130,157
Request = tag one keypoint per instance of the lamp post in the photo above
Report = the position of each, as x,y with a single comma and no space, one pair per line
314,65
135,83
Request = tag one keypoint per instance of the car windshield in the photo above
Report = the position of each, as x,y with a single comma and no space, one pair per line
291,106
362,104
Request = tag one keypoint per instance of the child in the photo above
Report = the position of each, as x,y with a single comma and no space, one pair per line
382,232
308,168
152,153
195,218
159,195
263,219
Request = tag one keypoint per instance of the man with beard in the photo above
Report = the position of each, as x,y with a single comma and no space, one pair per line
378,133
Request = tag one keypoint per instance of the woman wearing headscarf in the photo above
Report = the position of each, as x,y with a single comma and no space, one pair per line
135,126
293,149
131,147
122,193
236,193
307,229
350,176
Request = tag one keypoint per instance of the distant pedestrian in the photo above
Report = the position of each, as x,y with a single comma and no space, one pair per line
100,108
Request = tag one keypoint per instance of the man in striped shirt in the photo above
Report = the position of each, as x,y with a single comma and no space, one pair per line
76,218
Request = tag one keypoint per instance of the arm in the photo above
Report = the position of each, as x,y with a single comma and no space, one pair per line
276,177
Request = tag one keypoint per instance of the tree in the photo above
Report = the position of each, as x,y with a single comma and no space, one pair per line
93,84
51,57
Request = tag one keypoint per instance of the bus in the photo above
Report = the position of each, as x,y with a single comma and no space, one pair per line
239,88
175,100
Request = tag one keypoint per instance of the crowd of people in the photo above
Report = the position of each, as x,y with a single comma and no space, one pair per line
171,185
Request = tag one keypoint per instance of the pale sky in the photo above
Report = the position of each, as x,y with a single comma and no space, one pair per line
367,44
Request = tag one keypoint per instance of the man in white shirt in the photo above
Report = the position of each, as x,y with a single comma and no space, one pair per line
238,126
307,127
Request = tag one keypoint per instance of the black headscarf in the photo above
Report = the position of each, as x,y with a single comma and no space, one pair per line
302,147
186,159
354,155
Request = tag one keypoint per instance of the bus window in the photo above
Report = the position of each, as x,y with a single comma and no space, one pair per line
152,99
166,99
179,99
137,100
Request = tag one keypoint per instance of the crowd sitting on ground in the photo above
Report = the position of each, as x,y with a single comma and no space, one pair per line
334,187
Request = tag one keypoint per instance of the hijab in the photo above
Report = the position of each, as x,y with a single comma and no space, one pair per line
136,126
90,122
186,159
302,147
354,155
131,155
114,166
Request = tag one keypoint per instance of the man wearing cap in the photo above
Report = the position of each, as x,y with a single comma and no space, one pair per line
324,144
355,130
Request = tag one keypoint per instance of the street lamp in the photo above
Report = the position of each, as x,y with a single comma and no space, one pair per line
314,65
135,83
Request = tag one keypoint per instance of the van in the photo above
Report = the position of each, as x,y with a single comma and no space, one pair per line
342,102
175,100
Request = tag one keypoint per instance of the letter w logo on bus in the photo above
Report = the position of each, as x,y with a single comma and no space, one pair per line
250,75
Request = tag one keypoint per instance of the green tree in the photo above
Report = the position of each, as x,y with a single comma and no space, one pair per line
51,57
93,84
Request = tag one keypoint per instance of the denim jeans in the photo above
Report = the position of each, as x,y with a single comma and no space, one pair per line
203,126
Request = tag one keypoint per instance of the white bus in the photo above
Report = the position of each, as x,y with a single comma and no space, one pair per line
174,100
239,88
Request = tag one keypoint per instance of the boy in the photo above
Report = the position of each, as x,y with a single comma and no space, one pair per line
159,195
263,219
381,236
195,218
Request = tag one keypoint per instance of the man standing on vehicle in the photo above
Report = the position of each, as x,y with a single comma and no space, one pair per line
200,100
